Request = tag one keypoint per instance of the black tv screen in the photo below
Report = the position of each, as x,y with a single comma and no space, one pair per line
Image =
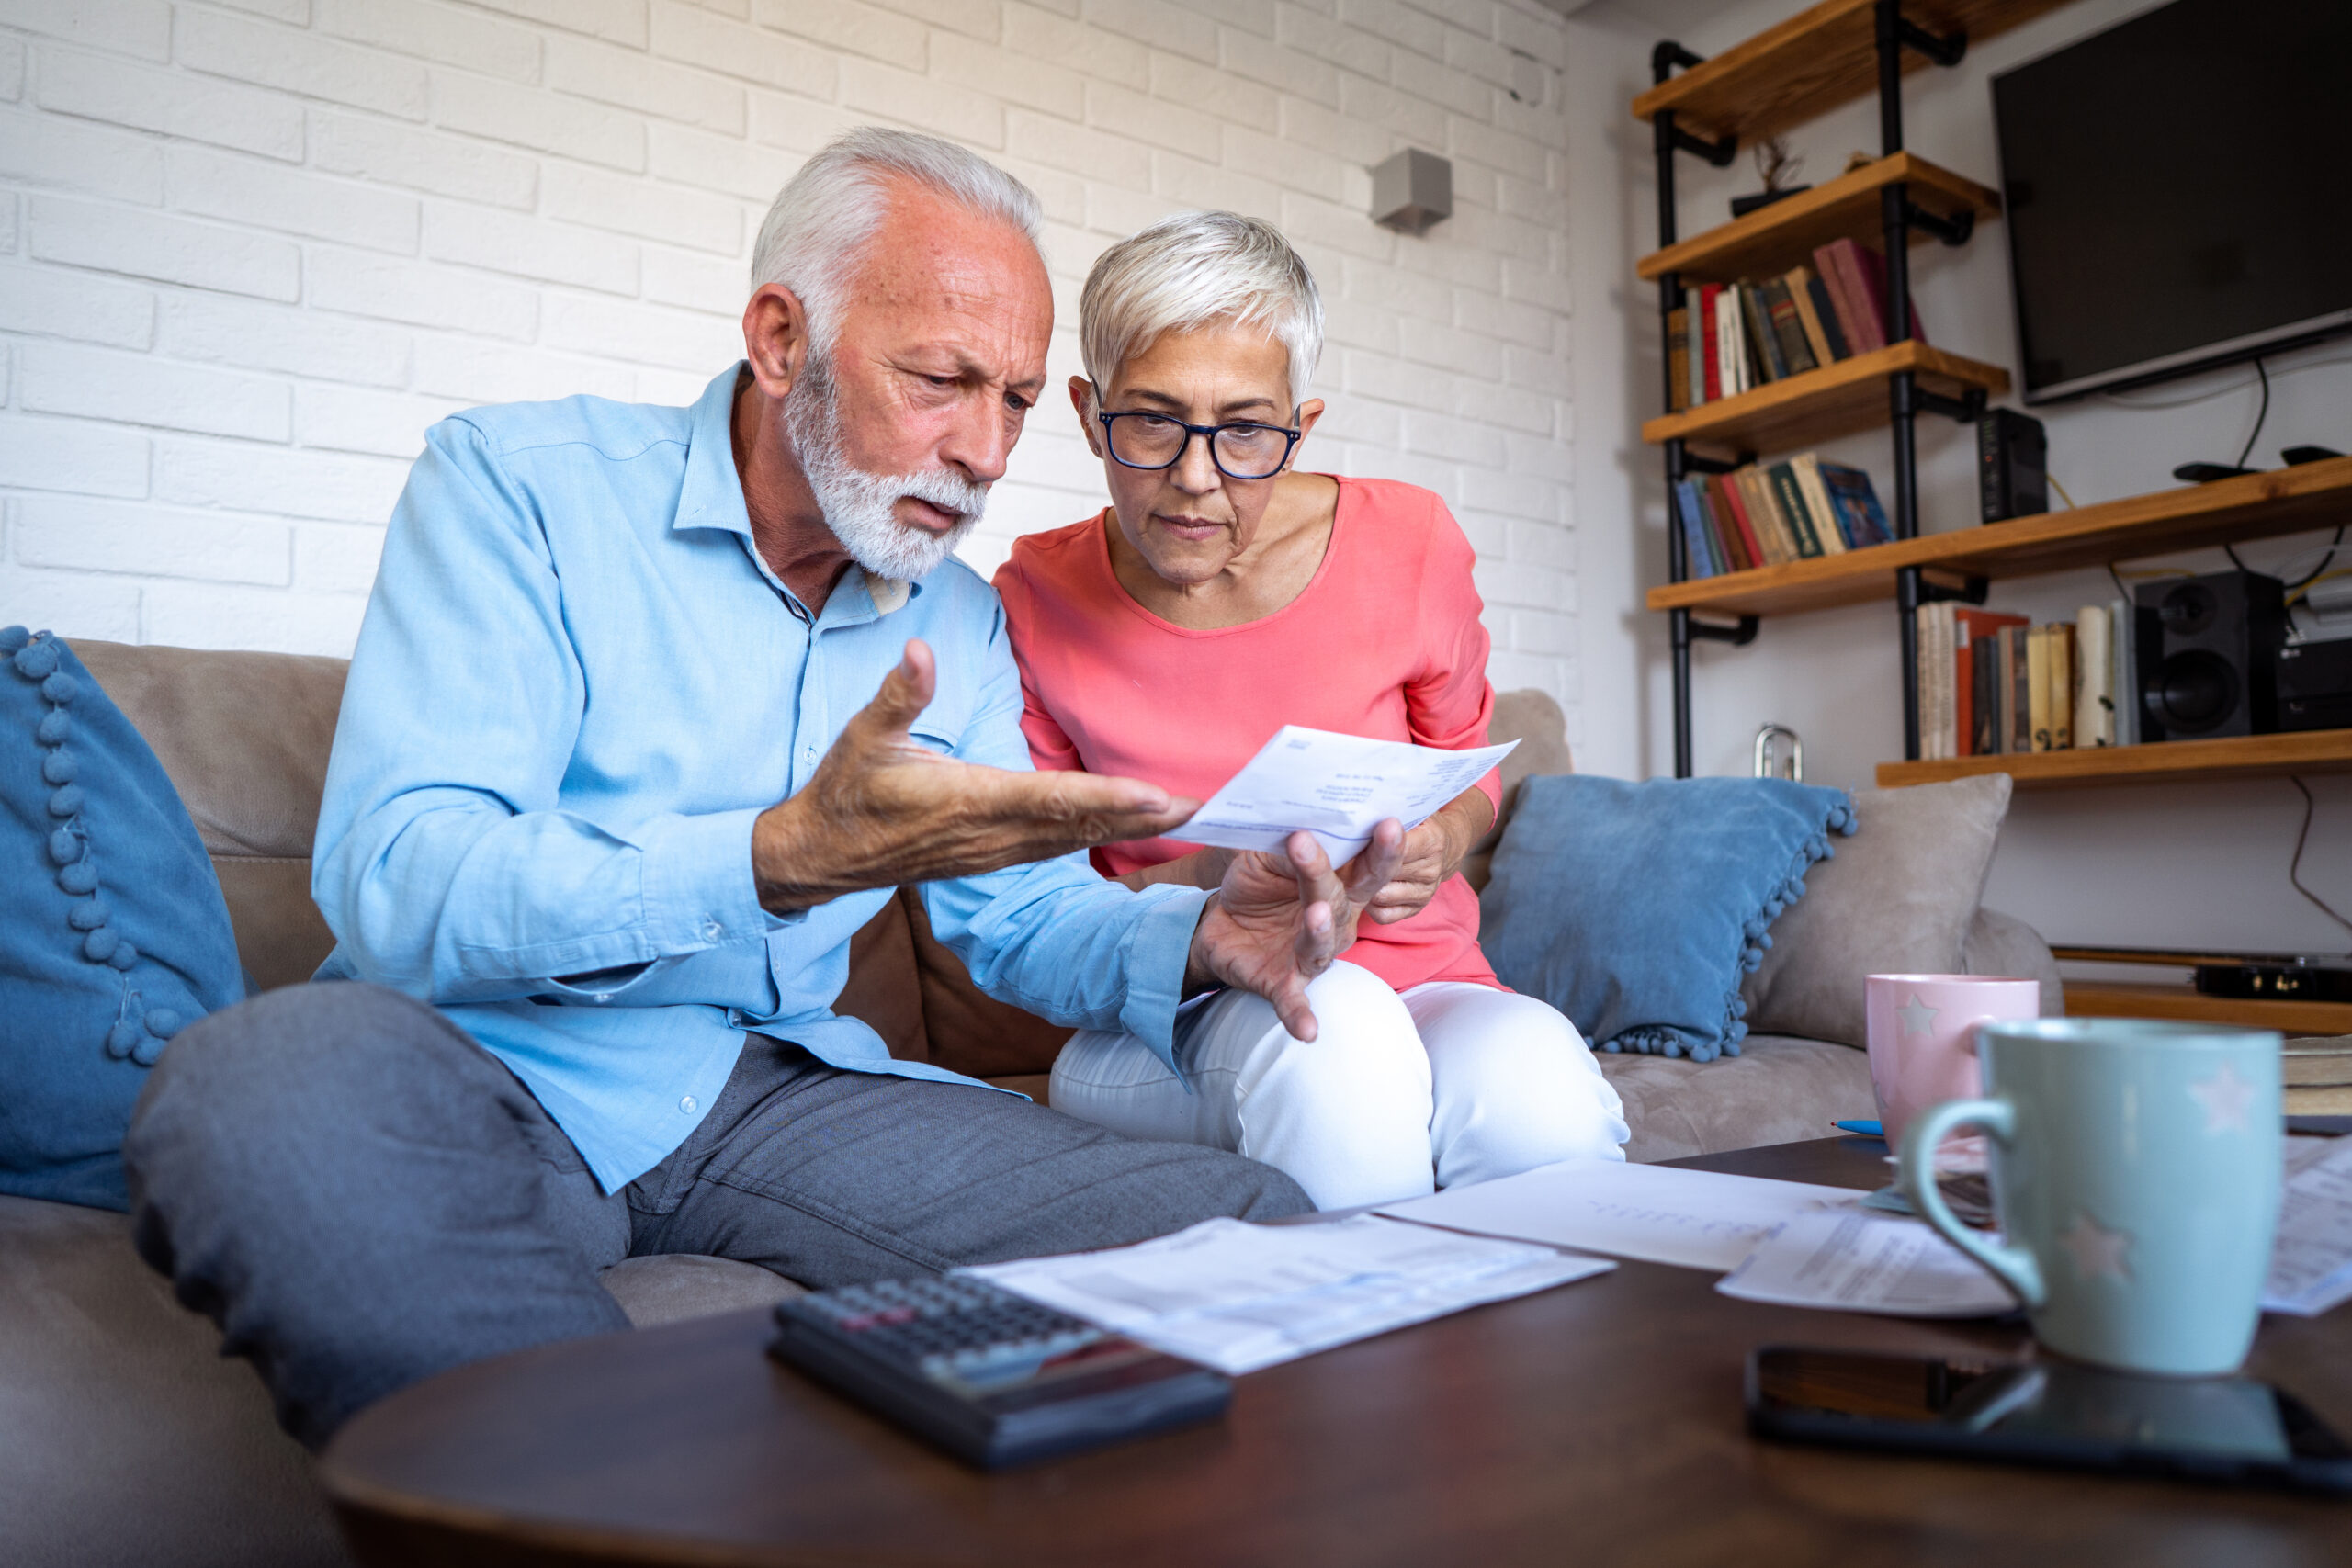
2179,192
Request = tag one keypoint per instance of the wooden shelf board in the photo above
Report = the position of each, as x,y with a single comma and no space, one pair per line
2100,998
1819,405
1787,231
2250,756
1822,57
2285,501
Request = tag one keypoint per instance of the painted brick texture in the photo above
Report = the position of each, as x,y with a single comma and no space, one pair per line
248,251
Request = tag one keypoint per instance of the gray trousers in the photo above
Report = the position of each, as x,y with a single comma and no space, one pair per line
360,1196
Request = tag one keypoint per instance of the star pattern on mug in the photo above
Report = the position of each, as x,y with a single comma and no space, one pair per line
2096,1250
1918,1017
2227,1099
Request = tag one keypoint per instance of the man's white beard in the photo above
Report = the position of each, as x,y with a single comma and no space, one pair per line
858,505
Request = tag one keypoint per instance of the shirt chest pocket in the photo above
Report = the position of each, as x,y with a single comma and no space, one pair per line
936,737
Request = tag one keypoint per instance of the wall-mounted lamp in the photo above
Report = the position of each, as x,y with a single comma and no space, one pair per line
1411,191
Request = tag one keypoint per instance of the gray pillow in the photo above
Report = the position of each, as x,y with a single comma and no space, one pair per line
1897,899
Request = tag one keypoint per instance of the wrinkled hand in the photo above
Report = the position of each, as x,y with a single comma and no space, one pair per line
884,810
1277,922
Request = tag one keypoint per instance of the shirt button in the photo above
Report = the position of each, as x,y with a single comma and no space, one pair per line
689,1105
712,931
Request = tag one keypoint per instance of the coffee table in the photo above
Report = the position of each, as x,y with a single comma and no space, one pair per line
1597,1422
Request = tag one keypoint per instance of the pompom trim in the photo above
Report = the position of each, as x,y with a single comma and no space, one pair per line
1662,1040
139,1032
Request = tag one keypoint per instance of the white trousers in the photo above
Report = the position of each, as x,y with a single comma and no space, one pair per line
1396,1096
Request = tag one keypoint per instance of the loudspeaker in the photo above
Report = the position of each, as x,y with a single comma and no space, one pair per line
2208,655
2315,685
2012,464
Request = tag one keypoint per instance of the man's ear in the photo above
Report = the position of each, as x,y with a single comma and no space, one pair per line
1082,398
776,338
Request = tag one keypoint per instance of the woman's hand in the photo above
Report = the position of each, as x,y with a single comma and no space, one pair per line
1434,852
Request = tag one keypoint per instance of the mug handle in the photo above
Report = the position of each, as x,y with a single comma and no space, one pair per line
2013,1266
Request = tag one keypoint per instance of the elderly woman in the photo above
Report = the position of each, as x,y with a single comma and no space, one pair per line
1222,595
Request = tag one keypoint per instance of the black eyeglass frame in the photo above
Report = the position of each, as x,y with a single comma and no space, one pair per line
1206,432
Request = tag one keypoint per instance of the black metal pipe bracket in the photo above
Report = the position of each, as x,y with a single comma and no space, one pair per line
1739,635
1971,591
1669,54
1944,50
1698,463
1967,409
1952,230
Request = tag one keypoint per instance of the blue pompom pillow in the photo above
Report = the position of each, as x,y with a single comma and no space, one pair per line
1635,909
114,937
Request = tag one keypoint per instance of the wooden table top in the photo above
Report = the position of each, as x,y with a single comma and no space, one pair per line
1598,1422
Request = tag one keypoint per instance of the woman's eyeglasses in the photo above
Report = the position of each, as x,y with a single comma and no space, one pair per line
1242,450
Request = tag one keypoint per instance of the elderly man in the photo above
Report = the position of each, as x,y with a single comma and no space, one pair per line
604,794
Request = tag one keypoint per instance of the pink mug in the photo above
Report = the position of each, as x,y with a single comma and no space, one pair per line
1923,1038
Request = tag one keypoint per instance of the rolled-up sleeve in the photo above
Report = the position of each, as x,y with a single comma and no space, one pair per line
443,863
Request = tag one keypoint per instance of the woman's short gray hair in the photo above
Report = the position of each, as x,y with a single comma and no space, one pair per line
1193,270
815,234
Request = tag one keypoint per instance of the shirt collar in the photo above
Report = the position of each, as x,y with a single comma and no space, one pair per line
711,495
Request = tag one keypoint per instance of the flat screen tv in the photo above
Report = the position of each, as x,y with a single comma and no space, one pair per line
2179,192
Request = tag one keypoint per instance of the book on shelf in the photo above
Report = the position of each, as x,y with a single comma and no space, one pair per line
1761,515
1990,683
1678,358
1738,336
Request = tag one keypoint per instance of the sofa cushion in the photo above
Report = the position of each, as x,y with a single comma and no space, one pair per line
1898,899
1635,909
971,1032
1534,720
128,1438
114,938
1778,1090
244,738
676,1286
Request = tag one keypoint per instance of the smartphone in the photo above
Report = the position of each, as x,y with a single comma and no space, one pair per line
2232,1430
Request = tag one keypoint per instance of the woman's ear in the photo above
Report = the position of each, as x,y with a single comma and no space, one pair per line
1308,413
1082,398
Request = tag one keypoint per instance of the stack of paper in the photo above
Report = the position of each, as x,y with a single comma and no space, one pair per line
1859,1261
1699,1219
1339,787
1239,1297
2310,1262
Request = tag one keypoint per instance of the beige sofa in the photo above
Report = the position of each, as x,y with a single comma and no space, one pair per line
127,1440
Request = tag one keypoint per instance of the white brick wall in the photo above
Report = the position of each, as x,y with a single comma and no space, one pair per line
250,249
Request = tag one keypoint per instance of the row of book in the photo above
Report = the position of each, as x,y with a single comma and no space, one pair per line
1733,337
1764,514
1992,683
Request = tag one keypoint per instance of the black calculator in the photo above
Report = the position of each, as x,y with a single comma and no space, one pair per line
993,1378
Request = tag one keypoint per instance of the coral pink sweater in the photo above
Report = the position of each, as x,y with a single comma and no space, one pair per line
1384,641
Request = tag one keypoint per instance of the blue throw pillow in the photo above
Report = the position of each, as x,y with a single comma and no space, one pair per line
1635,908
116,935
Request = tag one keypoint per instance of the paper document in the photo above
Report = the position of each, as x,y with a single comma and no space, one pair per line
1239,1297
2311,1261
1860,1260
1699,1219
1338,787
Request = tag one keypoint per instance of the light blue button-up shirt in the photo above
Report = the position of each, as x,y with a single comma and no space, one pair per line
576,686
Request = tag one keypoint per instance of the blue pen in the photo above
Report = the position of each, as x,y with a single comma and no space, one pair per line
1866,1129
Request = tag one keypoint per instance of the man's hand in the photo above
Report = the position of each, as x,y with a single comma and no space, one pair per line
1434,852
1277,922
884,809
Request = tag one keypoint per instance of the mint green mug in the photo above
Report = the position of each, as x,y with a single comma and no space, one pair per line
2135,1174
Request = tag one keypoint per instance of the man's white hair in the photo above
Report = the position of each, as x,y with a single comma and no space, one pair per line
1194,270
815,234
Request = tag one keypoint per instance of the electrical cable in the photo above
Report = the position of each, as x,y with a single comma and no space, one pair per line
2261,417
2123,400
2295,866
2321,570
